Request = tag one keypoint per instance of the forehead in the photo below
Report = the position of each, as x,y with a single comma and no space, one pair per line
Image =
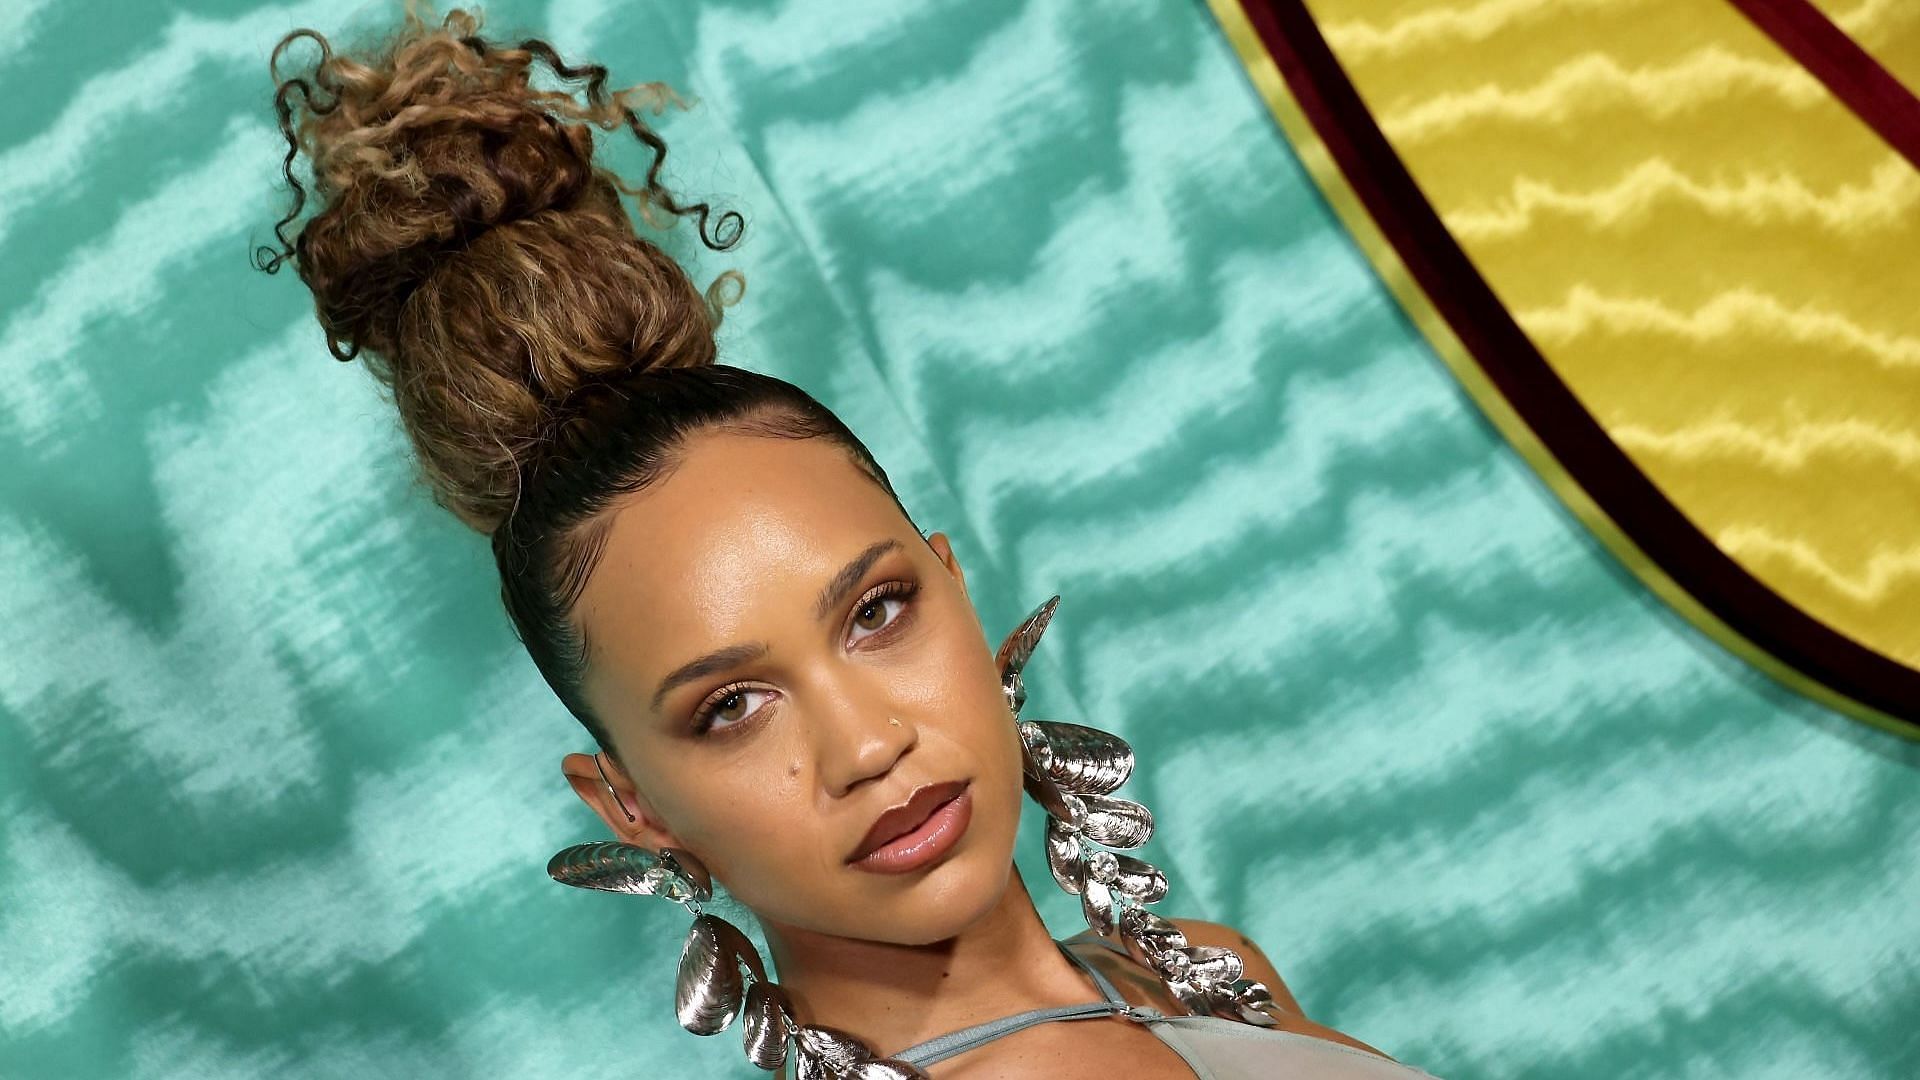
739,536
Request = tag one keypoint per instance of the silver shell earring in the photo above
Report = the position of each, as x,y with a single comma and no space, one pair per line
1072,771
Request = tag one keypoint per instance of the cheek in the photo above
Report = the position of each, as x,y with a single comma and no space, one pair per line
968,707
951,673
724,817
766,843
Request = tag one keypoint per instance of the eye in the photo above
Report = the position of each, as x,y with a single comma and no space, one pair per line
872,615
726,708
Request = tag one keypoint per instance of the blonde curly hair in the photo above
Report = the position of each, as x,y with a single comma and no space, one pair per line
469,249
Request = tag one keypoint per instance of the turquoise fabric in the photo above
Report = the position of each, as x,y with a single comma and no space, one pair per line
277,785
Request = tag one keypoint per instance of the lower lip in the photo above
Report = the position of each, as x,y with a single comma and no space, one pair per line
921,847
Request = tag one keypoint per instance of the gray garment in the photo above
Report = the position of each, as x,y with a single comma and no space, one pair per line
1214,1048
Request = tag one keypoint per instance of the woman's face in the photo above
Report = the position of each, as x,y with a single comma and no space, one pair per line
821,615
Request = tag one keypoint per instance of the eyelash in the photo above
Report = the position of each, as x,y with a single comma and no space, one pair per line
904,591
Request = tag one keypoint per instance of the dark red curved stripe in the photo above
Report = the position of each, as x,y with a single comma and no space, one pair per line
1525,378
1849,71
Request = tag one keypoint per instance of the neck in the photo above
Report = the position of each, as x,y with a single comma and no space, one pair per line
893,996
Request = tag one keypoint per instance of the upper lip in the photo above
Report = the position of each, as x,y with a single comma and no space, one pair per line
899,820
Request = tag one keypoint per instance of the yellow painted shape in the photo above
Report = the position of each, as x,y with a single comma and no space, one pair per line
1719,259
1716,256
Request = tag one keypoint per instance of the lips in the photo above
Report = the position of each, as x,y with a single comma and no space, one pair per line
900,820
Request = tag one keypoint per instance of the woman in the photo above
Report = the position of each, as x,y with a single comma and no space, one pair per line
790,689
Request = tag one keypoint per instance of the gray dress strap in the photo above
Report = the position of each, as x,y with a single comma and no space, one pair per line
945,1046
1213,1047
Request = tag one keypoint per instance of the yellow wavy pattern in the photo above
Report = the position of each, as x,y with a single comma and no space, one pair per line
1716,255
1879,201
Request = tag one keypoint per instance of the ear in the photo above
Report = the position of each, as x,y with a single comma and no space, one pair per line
616,803
943,548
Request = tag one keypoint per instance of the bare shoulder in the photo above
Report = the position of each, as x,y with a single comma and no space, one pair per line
1258,967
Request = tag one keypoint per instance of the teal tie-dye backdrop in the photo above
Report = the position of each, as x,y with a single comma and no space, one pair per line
277,785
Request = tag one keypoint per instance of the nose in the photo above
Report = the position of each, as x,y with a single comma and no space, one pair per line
862,742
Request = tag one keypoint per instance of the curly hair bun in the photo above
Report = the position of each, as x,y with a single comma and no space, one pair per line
471,252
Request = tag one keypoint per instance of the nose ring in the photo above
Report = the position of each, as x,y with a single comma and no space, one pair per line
894,721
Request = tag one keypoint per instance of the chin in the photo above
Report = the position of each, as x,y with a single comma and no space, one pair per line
960,891
977,898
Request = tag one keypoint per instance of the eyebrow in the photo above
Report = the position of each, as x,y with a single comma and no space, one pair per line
835,591
832,595
717,660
